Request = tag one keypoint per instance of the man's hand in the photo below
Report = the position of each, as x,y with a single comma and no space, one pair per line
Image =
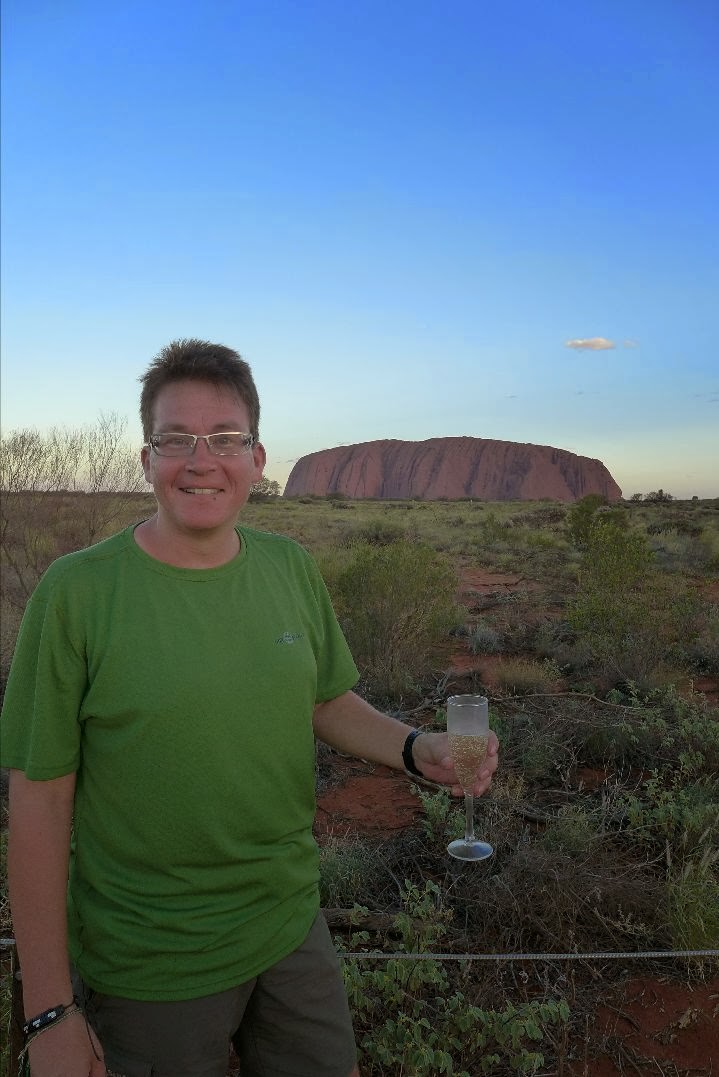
433,757
67,1050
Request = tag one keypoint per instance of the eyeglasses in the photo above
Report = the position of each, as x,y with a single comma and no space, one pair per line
226,443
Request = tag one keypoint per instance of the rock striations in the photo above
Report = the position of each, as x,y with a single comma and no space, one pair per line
451,468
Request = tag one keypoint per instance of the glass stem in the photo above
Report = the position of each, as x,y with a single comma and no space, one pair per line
469,818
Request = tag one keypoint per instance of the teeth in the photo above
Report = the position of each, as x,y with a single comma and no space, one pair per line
200,490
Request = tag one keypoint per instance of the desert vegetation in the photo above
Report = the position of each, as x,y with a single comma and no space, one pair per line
595,634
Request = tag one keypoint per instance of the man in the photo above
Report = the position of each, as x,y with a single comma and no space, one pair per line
159,721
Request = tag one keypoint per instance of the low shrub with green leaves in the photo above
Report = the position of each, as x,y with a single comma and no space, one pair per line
443,819
410,1018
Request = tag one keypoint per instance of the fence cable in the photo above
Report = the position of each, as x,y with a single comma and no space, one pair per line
599,955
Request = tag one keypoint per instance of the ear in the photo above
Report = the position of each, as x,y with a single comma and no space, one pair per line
145,460
260,459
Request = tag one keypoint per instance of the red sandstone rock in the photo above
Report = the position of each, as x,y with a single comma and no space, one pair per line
451,468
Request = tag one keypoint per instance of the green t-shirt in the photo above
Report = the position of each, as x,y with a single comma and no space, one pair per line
183,698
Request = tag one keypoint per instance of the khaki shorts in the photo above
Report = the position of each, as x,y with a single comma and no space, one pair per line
292,1019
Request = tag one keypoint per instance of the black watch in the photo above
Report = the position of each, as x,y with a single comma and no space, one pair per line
408,756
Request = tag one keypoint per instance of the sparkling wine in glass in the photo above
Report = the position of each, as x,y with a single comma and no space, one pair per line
468,730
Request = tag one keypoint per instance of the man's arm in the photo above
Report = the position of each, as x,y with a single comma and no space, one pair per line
351,725
38,858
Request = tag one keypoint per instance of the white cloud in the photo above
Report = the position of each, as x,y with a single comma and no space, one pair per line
590,344
630,343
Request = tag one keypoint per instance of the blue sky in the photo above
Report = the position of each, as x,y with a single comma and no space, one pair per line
401,214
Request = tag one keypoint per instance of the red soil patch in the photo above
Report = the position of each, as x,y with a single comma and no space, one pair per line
374,802
649,1023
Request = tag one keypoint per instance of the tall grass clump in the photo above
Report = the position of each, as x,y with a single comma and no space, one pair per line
347,870
396,605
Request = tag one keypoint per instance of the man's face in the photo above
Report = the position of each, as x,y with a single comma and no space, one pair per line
203,492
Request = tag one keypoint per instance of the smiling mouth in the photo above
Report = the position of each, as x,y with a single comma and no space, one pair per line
200,490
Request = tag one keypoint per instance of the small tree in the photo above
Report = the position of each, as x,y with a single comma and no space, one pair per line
36,469
264,489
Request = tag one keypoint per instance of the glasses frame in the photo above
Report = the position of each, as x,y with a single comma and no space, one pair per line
208,440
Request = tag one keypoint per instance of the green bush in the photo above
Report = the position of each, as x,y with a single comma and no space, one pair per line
396,604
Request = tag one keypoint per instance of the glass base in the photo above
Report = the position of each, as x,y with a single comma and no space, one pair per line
469,850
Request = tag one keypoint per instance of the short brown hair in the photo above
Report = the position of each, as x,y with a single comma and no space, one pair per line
198,360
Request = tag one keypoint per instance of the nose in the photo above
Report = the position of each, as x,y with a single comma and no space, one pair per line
201,459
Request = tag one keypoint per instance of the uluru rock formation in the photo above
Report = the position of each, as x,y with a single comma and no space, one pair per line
451,468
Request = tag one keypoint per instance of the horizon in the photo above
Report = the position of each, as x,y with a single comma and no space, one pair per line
413,223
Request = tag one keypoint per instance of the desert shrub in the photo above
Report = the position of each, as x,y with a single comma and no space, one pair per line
492,529
629,615
687,553
375,533
573,831
703,650
683,813
523,675
396,604
557,640
581,516
483,639
693,904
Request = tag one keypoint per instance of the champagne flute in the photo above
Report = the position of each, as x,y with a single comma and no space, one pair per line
468,729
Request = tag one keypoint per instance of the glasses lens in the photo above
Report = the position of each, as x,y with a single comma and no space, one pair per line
172,444
229,444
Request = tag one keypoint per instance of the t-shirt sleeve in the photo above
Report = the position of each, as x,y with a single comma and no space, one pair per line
40,729
336,670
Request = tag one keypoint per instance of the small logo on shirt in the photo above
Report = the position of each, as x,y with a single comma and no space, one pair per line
289,637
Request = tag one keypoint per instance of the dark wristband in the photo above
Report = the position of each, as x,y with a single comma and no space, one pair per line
408,755
46,1018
